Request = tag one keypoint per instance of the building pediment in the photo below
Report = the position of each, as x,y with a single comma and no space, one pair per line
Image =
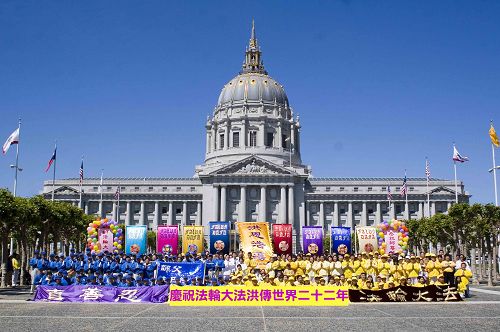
441,191
65,190
252,166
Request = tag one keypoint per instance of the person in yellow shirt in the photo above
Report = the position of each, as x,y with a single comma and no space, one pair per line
461,283
316,266
288,271
420,282
448,267
266,282
16,270
309,268
294,265
302,263
383,266
358,265
347,266
465,278
440,281
412,269
433,268
283,263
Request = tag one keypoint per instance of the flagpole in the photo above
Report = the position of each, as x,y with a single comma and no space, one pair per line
81,185
54,171
118,205
456,183
15,176
494,173
428,192
100,201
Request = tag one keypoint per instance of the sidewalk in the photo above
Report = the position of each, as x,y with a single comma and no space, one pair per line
16,293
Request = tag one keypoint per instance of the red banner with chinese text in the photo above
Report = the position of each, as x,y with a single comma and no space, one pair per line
282,238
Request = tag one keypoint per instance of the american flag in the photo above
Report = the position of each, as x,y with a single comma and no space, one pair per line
52,159
389,195
427,170
117,193
403,187
81,173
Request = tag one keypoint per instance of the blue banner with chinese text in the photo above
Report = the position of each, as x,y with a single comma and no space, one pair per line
219,237
341,240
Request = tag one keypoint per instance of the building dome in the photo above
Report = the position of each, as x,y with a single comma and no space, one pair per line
253,87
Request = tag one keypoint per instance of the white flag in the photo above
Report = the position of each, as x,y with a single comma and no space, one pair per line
13,139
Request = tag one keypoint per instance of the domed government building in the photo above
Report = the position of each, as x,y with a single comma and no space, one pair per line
253,171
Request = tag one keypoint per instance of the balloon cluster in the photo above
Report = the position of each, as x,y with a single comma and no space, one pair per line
92,232
399,228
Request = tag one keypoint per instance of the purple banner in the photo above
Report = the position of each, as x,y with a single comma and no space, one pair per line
312,240
148,294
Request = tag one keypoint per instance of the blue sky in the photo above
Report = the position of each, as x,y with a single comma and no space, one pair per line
379,85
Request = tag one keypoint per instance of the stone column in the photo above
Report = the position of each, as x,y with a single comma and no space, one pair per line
322,214
171,213
114,210
214,138
350,219
292,136
223,203
263,203
208,142
407,211
243,204
128,214
157,216
198,213
226,136
101,211
216,203
243,138
277,142
336,214
262,129
421,210
308,213
86,207
448,206
184,213
291,205
364,215
143,217
283,205
433,208
379,218
392,210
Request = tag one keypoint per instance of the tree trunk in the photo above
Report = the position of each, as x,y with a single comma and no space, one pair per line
473,266
480,260
495,257
24,259
5,258
490,261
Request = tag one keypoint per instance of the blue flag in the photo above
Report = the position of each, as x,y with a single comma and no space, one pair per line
135,239
172,270
219,237
341,240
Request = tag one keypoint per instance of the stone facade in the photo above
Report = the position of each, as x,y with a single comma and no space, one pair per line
253,171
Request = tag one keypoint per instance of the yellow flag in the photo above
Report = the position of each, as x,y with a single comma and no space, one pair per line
493,136
254,238
192,239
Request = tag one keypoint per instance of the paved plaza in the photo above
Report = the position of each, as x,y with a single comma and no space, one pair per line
481,313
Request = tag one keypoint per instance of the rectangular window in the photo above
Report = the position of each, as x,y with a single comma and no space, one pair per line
164,188
253,138
136,188
283,141
122,188
270,139
164,210
356,188
221,141
193,189
341,189
178,211
370,188
236,139
150,189
327,189
412,188
108,188
384,188
178,188
370,211
95,188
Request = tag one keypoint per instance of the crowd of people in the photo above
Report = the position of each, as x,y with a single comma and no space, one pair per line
367,271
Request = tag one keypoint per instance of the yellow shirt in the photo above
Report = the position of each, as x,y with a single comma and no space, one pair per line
301,267
448,266
465,274
15,264
383,268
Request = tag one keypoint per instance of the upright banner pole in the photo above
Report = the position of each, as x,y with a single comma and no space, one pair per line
54,173
494,173
456,183
15,178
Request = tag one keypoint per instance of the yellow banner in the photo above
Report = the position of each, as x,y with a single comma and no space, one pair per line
255,238
258,296
192,239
